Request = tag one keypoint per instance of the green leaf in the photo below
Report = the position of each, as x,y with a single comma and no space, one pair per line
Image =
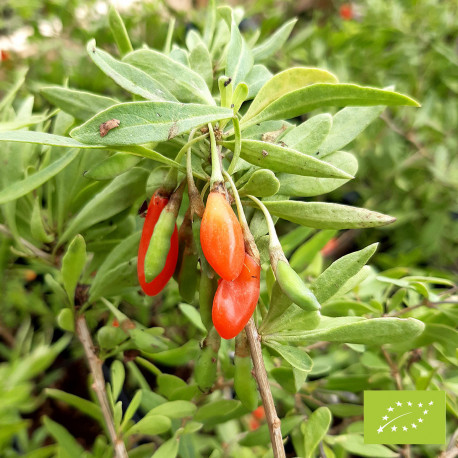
120,194
193,316
216,409
340,271
23,187
69,447
376,331
282,84
176,356
185,84
201,62
169,449
308,136
256,78
66,320
118,29
314,430
262,183
304,255
107,276
239,59
143,122
150,425
295,356
322,215
73,264
347,124
80,104
300,186
175,409
274,43
300,101
37,227
118,374
112,166
354,443
132,408
130,78
281,159
83,405
42,138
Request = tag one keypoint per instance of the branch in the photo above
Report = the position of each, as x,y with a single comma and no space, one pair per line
266,395
95,366
394,369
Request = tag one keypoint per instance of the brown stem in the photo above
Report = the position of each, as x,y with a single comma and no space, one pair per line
273,421
394,369
95,366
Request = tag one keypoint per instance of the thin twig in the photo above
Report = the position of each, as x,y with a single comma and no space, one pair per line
95,366
30,246
273,421
6,335
394,369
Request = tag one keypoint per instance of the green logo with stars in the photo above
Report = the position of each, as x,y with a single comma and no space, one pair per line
404,417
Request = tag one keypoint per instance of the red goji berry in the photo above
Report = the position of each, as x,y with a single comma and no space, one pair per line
156,205
235,301
221,237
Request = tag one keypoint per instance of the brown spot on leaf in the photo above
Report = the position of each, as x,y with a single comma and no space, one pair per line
108,125
264,153
173,132
227,82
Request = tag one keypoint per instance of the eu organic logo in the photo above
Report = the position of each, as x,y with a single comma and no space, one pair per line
404,417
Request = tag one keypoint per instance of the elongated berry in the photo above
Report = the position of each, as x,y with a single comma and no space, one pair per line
235,301
156,205
221,237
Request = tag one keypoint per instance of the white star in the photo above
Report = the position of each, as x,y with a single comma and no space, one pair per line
425,412
409,403
404,428
390,409
414,426
420,420
393,428
431,403
380,430
385,418
399,404
420,404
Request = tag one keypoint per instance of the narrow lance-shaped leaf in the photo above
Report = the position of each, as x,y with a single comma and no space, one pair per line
80,104
340,271
322,215
308,136
320,95
201,62
143,122
274,43
357,330
256,78
122,192
42,138
295,356
118,29
281,159
130,78
300,186
284,83
239,59
185,84
314,429
73,264
23,187
347,124
112,166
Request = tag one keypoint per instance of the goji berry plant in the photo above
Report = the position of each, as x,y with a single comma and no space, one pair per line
185,175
